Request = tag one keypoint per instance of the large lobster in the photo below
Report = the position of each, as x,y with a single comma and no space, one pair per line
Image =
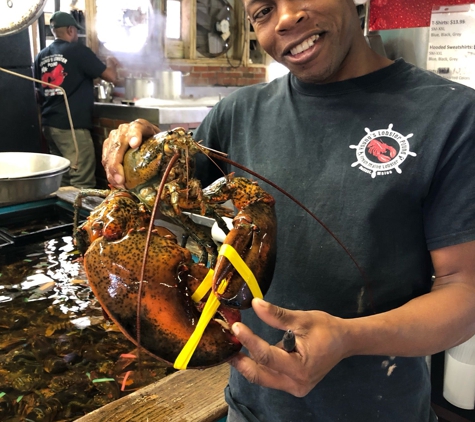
147,283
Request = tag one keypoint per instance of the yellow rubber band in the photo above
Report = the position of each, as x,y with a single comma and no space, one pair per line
211,306
229,252
204,287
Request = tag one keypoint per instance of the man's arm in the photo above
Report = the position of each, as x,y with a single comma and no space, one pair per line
436,321
441,319
37,75
110,74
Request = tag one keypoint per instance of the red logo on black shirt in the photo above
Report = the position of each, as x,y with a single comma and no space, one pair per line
382,151
56,76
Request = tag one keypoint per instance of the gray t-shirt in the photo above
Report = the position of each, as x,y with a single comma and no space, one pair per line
387,162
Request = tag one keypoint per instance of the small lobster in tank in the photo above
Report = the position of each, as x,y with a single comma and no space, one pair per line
147,282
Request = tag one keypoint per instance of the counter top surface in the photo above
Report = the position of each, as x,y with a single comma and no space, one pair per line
170,114
182,102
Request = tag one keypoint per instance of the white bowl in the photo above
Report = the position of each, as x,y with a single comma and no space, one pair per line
30,164
26,176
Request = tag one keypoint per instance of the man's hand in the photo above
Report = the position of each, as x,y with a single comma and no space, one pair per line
119,140
112,62
425,325
319,347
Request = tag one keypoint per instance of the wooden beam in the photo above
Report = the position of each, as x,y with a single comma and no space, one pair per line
185,396
188,28
91,35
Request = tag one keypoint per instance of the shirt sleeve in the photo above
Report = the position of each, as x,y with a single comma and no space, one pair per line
449,209
91,65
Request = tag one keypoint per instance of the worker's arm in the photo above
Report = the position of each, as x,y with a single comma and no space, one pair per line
441,319
110,74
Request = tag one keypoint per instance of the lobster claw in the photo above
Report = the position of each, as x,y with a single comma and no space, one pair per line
253,237
167,315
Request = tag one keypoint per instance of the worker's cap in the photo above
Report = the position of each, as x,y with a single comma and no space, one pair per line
62,19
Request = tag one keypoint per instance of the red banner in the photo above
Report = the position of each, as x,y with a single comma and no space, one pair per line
396,14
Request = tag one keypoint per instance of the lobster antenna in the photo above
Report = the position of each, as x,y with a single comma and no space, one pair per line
220,157
171,163
187,165
218,154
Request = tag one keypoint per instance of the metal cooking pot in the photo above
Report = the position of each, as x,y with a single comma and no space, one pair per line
170,84
137,88
26,176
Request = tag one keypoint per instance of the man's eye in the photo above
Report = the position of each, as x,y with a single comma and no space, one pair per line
261,13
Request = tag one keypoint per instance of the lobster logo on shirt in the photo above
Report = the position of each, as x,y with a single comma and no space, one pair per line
55,76
382,151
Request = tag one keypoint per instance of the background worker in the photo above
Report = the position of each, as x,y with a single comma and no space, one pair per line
72,66
384,154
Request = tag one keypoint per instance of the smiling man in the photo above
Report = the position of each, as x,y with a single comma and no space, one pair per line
328,47
384,154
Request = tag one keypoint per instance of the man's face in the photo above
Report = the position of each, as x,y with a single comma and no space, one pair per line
317,40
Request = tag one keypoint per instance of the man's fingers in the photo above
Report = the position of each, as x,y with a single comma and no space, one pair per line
261,375
272,315
260,351
113,152
267,365
140,129
119,141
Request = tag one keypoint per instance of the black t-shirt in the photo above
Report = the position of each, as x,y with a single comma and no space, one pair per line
72,66
387,162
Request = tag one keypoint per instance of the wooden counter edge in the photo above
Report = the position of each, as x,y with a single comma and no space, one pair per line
192,395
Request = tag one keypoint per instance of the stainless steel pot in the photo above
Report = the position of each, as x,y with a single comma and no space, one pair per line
170,84
137,88
26,176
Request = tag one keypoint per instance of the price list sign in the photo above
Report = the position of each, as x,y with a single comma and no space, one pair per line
451,50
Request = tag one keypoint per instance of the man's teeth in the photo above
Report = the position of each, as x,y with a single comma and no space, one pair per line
305,45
